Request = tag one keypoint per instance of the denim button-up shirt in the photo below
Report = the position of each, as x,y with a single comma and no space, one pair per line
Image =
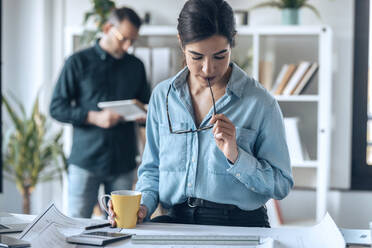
177,166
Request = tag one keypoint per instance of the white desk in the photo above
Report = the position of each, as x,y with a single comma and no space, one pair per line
321,235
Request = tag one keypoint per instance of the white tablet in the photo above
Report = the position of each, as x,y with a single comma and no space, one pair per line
129,109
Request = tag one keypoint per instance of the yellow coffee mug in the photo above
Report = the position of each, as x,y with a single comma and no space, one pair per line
126,204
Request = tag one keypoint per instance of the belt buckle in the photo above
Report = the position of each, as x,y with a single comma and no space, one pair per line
189,203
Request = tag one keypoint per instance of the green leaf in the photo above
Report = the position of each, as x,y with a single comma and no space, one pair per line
29,154
87,15
311,7
19,104
16,120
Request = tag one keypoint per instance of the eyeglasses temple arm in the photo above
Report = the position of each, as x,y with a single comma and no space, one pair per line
166,104
214,105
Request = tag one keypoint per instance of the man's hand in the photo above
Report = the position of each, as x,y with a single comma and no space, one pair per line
141,120
104,118
141,214
225,136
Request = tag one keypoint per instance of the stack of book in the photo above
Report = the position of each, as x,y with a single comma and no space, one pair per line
293,79
297,150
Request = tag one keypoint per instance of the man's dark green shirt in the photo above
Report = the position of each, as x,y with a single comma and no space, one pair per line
88,77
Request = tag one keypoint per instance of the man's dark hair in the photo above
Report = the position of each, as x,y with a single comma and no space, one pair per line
201,19
120,14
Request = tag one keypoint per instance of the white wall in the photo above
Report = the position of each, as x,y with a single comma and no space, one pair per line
28,64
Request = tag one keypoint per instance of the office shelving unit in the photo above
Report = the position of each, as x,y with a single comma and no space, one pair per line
282,45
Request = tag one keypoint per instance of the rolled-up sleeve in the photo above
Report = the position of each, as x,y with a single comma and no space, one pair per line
268,171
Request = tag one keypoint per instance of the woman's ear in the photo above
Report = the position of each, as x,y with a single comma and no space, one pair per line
180,42
233,40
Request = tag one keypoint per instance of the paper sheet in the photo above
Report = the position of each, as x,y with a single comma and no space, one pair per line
66,225
6,218
51,237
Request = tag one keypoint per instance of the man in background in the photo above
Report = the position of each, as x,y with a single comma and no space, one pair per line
104,145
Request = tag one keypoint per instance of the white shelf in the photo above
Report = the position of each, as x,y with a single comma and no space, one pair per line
306,164
299,98
154,30
170,30
281,30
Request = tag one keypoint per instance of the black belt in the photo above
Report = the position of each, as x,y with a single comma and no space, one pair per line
193,202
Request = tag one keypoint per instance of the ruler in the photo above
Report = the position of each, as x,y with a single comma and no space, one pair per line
196,240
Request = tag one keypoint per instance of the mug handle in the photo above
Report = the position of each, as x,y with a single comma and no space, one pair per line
102,203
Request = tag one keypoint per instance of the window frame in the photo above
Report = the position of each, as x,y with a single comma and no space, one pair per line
1,76
361,178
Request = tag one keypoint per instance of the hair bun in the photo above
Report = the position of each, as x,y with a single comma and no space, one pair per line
201,19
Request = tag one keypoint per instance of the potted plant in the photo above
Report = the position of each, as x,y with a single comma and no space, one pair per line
32,153
290,9
100,12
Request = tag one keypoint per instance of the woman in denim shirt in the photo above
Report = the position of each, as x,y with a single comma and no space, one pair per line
216,149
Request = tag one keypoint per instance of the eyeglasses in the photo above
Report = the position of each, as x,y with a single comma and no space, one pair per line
120,37
191,130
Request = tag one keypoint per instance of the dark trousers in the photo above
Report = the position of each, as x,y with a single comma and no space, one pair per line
226,215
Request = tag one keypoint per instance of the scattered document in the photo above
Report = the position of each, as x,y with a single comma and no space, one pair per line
325,234
11,223
65,225
51,237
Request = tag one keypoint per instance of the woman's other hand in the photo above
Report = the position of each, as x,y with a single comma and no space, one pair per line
141,214
111,216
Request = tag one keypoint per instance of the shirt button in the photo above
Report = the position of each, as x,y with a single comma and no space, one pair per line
253,189
237,174
193,160
189,185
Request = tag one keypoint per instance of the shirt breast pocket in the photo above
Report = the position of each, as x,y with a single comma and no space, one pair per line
246,139
217,162
172,148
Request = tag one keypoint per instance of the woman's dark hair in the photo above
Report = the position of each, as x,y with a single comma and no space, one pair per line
118,15
201,19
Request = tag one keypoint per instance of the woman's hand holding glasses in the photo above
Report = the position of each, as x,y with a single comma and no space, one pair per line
224,133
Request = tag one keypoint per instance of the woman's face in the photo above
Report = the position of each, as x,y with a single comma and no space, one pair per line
209,58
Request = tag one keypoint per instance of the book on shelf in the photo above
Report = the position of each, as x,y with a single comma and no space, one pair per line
161,64
297,151
265,76
296,77
279,78
309,75
144,54
283,78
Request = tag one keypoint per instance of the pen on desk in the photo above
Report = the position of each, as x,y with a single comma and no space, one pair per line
97,226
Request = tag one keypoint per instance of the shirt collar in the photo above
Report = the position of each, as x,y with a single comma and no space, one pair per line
103,55
235,84
237,81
